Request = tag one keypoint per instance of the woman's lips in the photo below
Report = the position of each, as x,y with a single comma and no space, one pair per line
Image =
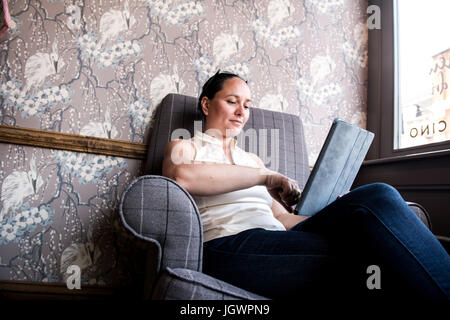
236,122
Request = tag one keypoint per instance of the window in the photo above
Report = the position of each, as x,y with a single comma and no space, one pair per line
420,171
408,95
423,72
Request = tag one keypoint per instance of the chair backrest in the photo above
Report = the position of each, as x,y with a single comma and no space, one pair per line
274,136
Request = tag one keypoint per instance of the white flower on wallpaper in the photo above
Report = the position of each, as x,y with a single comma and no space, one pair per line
10,91
87,168
356,49
36,103
108,56
41,65
45,100
163,84
241,69
114,22
278,11
318,95
21,224
140,113
103,129
205,68
274,102
327,6
326,93
275,37
173,13
19,185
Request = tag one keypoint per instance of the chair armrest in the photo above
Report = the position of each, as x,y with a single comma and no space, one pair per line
184,284
158,210
421,213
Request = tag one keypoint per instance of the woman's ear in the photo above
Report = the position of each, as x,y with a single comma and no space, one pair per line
205,105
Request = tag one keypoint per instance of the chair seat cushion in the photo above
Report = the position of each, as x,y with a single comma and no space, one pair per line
185,284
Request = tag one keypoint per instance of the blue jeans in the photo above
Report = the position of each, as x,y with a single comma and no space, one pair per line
327,255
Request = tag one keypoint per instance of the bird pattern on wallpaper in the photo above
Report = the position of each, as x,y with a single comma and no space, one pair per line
101,68
41,65
278,11
274,101
73,20
164,84
83,254
17,186
104,129
226,45
114,22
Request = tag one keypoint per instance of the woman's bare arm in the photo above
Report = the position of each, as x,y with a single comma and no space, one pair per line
205,178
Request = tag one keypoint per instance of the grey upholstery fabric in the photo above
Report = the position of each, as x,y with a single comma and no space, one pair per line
176,111
180,112
184,284
158,210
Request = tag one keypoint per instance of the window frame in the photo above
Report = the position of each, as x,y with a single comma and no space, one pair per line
382,97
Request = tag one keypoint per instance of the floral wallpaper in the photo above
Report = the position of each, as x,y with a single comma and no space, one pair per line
100,68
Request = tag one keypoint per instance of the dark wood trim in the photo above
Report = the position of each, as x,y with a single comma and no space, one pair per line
373,87
72,142
417,156
424,187
26,290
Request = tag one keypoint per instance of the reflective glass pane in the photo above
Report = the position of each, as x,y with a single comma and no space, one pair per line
423,58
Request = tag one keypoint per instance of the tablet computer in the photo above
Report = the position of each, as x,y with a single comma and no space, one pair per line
336,167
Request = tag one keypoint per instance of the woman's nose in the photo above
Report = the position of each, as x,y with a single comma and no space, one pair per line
240,109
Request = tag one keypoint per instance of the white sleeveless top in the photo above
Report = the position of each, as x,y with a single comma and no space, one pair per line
232,212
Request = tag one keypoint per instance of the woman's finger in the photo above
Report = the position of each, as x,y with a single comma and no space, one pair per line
292,198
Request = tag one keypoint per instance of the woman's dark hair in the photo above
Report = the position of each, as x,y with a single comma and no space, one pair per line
214,85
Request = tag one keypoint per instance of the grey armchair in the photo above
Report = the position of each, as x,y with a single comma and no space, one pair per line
158,210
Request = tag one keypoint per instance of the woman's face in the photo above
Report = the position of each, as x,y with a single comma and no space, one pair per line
229,110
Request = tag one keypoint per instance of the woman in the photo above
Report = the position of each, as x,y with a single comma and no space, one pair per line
367,242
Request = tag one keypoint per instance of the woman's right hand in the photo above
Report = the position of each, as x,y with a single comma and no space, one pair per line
283,189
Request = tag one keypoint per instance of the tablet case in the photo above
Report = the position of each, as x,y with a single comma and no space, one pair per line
336,167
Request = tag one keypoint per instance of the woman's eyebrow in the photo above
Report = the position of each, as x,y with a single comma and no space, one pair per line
237,96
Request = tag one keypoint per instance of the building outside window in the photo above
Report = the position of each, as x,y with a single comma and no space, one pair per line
422,55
